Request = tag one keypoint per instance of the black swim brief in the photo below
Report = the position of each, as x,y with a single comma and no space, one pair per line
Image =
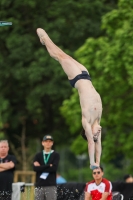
84,75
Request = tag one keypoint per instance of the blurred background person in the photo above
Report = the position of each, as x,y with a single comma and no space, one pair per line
60,179
128,178
45,165
99,188
7,167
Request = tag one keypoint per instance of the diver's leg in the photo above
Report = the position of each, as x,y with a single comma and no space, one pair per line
91,144
98,149
70,66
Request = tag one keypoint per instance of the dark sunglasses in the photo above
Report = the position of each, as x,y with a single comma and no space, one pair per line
96,172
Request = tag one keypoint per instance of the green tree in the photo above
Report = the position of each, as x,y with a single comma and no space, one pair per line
109,60
31,83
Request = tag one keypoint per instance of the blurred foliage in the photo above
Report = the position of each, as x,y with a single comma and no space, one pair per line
109,60
33,86
31,83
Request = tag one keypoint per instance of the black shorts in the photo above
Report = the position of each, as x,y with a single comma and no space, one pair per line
84,75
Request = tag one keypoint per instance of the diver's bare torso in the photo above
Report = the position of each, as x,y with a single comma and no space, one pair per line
90,101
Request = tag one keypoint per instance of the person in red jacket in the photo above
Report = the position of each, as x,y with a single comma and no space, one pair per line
99,188
90,100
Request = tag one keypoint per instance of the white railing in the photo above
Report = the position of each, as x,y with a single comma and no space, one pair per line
23,191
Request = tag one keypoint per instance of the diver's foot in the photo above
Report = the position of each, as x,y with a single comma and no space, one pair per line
42,35
94,166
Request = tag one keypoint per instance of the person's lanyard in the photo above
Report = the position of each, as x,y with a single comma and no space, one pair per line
46,158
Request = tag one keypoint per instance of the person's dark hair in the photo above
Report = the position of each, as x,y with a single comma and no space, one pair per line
127,176
100,168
